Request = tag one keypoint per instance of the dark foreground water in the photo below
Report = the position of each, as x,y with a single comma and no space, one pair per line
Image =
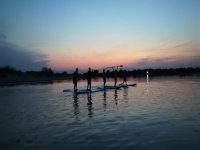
163,113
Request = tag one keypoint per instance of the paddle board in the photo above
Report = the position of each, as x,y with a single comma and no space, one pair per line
117,87
83,91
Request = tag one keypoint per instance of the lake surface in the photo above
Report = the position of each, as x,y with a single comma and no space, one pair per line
161,113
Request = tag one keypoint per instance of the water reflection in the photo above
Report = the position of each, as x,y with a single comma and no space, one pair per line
116,97
168,118
89,104
147,83
104,100
147,77
76,102
76,106
125,94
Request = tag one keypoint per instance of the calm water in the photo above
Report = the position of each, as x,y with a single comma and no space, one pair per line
163,113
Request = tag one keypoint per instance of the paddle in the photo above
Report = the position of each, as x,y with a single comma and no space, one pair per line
114,67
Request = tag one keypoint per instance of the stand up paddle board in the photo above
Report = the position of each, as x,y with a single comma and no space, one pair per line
83,91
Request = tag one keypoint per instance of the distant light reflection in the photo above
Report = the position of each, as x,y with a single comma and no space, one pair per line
147,82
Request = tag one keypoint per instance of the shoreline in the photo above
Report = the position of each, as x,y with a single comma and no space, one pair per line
12,81
34,80
10,76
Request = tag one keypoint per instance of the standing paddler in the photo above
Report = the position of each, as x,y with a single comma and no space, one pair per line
104,78
89,79
75,79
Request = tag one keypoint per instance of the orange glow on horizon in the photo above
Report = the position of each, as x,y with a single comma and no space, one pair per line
132,56
63,61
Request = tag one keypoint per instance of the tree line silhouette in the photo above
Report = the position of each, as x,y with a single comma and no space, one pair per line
12,76
7,71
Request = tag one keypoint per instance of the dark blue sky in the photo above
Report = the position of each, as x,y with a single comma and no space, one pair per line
65,34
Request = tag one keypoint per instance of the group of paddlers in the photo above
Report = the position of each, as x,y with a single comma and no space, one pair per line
89,80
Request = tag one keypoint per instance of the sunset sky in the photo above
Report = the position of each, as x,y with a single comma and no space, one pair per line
65,34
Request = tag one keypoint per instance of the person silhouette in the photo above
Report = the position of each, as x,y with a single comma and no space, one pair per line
89,79
115,77
75,78
104,78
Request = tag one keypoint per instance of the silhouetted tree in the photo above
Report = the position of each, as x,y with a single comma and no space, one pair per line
8,70
95,73
47,71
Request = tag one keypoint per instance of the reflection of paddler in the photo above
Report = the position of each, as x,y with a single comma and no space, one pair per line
75,78
104,100
76,107
116,96
90,113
